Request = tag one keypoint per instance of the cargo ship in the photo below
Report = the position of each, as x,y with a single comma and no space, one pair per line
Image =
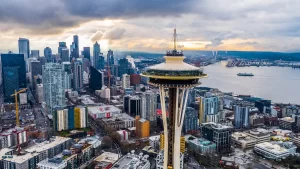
245,74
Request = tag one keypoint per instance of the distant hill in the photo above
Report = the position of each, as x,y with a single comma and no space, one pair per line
238,54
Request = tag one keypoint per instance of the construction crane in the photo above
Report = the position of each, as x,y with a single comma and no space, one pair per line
17,106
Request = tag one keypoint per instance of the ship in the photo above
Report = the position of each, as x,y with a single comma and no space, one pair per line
245,74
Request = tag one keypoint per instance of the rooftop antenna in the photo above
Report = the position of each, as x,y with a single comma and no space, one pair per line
175,37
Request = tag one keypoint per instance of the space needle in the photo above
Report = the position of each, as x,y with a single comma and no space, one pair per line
174,78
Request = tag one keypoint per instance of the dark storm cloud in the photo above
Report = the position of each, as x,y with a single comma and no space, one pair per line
128,8
38,16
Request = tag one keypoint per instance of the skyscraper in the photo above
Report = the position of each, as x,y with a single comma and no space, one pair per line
24,47
77,75
177,78
65,55
86,52
110,58
124,67
75,47
48,54
35,54
54,83
35,69
151,105
98,59
61,45
13,73
96,79
241,116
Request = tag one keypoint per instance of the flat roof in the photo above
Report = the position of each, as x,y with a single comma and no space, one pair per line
39,147
21,158
103,109
3,152
272,148
107,157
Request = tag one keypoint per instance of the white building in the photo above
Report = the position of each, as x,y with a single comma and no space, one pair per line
132,161
62,119
126,81
54,163
271,151
106,111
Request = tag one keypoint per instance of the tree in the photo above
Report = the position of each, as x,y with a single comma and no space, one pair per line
116,137
106,142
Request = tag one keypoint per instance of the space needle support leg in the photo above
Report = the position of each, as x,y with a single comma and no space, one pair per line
165,124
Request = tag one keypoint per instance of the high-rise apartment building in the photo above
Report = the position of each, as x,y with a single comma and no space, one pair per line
151,105
54,84
209,108
126,81
191,120
135,104
77,75
241,116
24,47
13,73
48,54
68,69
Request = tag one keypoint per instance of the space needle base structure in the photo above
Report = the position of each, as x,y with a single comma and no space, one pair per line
174,78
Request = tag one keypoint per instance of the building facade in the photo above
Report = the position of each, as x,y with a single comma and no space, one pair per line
241,116
54,84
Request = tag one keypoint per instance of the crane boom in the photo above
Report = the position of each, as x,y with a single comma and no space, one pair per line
17,106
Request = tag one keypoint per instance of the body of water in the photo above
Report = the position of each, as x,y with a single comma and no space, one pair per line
279,84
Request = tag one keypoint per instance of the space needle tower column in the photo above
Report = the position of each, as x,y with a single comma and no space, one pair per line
174,78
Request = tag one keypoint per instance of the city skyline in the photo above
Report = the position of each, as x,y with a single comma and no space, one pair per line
135,26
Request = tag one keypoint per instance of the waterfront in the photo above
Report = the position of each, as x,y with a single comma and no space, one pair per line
280,84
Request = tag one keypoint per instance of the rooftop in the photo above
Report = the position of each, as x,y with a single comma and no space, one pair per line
132,161
217,126
272,148
103,109
107,157
21,158
39,147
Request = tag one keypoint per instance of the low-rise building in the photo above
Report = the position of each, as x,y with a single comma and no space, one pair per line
286,123
132,161
105,160
260,135
296,140
120,121
107,111
271,151
242,140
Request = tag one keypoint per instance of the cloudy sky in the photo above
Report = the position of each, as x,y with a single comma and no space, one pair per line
147,25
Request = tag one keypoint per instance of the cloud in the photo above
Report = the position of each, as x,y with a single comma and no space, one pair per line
110,9
97,36
114,34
